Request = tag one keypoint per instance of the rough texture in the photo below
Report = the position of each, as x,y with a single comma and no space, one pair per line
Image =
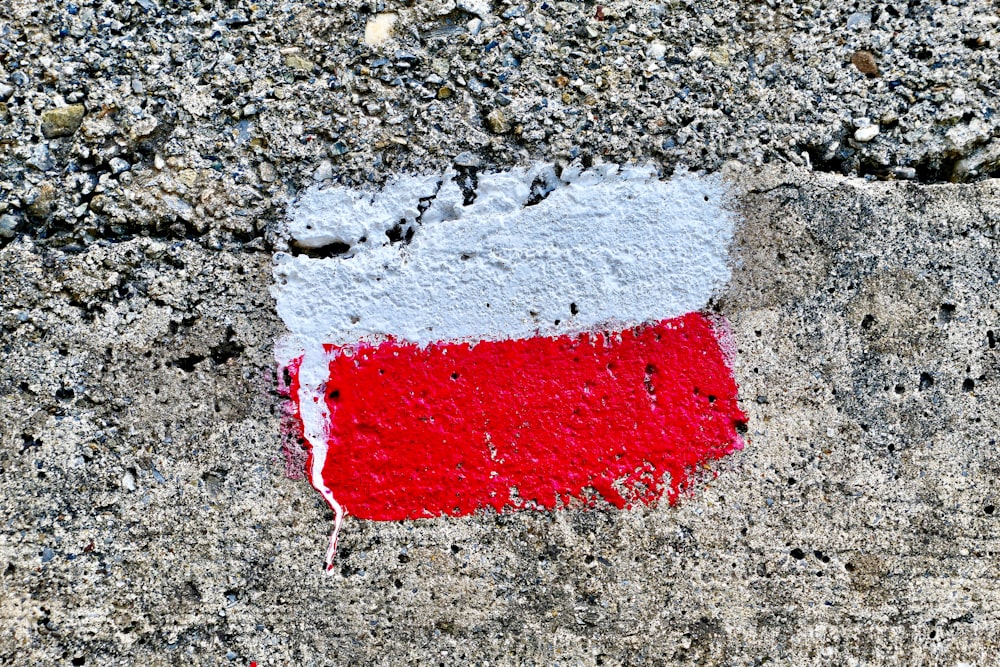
858,526
523,258
604,419
203,118
145,515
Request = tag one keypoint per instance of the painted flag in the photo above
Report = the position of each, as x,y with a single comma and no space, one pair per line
529,341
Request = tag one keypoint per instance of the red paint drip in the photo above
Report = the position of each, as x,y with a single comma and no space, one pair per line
534,423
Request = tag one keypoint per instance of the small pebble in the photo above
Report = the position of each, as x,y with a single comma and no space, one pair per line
267,172
720,56
324,172
8,226
497,122
864,61
118,165
866,133
143,127
656,50
63,121
379,28
468,159
299,63
859,20
41,159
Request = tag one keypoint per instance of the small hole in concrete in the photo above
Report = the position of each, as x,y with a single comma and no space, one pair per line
989,509
946,312
797,553
926,381
969,384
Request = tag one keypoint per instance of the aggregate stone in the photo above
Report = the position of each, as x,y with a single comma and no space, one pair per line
865,62
866,133
63,121
8,225
498,122
223,89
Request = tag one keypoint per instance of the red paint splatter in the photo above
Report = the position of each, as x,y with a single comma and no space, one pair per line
292,443
534,423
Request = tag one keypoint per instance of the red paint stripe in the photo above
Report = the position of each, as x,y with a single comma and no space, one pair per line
453,427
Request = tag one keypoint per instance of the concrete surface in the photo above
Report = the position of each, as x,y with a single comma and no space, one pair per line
146,516
203,119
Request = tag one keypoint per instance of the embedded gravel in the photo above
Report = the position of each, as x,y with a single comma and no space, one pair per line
202,120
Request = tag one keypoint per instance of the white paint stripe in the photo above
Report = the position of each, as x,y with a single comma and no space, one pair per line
619,247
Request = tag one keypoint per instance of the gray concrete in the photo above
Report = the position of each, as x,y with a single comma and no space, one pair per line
857,527
146,516
201,119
